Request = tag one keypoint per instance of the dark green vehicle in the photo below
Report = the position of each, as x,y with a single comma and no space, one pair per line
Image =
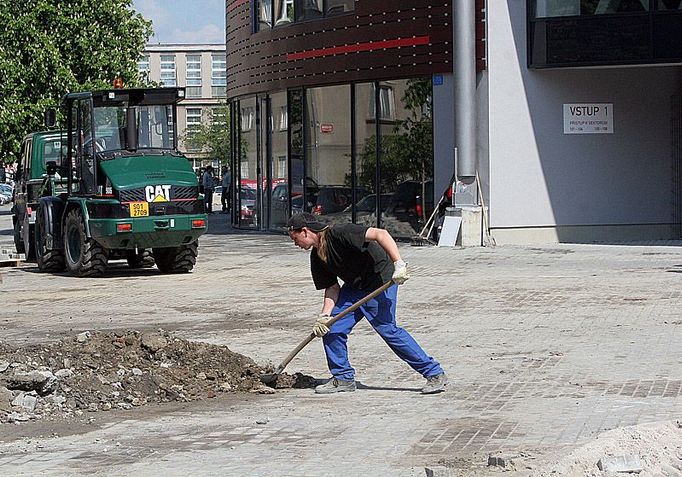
110,185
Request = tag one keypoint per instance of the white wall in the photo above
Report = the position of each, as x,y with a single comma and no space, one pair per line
539,176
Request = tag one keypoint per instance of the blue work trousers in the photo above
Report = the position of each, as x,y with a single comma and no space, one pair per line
380,312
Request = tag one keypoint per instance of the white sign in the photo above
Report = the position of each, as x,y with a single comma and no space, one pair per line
590,118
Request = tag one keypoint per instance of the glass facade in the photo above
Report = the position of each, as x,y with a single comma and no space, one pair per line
324,152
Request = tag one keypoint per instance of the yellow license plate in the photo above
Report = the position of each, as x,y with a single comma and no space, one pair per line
139,209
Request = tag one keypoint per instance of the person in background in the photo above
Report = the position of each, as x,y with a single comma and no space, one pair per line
225,194
209,185
364,258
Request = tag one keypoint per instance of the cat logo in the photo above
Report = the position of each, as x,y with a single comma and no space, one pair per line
159,193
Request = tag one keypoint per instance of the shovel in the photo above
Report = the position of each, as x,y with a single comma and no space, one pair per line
271,378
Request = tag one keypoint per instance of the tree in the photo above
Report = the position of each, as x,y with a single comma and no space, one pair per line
51,47
212,136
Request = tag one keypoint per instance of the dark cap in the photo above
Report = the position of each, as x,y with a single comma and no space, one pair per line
298,221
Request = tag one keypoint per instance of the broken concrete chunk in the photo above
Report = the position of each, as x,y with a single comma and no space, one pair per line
26,401
83,337
5,398
626,464
501,459
43,382
437,471
63,373
153,342
3,366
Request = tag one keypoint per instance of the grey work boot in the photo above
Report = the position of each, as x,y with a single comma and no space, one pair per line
435,384
335,386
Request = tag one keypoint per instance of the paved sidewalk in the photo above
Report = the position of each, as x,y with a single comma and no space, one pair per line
546,347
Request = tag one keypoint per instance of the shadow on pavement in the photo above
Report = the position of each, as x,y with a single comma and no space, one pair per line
385,388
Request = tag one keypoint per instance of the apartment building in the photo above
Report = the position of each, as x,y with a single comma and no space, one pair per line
201,70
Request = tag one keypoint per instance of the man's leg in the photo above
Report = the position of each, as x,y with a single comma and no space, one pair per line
335,342
381,314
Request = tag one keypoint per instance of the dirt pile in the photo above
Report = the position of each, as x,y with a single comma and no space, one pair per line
657,445
97,371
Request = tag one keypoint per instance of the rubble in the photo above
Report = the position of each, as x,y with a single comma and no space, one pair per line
96,371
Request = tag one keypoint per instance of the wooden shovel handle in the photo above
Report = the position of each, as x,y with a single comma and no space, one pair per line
330,322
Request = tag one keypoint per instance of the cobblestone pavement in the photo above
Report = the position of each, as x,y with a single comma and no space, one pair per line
546,347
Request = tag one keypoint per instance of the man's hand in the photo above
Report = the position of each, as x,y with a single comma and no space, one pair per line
320,327
400,274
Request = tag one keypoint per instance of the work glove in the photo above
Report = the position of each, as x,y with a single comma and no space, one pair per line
400,274
320,327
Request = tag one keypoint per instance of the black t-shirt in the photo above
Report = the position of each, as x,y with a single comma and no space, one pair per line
362,264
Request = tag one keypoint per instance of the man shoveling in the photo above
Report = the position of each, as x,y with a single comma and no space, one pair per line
364,258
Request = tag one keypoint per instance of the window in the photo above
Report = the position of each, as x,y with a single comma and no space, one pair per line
309,9
284,12
193,70
562,8
264,15
386,103
168,70
557,8
337,7
193,125
193,92
143,67
283,120
670,4
247,116
218,76
219,115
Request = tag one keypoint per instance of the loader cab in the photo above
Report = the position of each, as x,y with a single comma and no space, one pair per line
110,124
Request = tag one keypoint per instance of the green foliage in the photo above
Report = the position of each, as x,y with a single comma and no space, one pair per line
51,47
213,135
408,152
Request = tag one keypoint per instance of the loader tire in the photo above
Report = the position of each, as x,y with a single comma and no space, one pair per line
84,256
176,259
140,258
48,260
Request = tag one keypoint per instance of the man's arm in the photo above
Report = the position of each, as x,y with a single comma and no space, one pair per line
331,294
384,239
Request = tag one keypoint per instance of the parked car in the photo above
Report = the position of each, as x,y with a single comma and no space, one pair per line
247,206
365,210
6,193
279,206
407,205
331,199
217,194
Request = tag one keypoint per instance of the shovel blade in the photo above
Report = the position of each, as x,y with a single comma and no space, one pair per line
270,378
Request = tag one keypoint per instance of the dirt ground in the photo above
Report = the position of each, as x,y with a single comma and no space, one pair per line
101,371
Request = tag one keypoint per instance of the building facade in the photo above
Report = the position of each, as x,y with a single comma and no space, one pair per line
348,109
201,70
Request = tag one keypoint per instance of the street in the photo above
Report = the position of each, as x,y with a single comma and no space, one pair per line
546,347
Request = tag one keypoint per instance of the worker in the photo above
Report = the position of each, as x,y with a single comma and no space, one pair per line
209,186
364,258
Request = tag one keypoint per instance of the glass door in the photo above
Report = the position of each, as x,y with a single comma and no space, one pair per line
247,191
278,161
